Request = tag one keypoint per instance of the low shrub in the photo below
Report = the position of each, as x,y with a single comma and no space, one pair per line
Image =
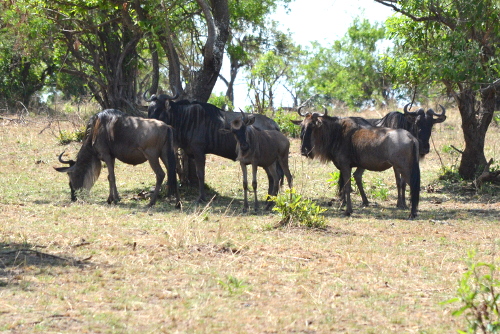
295,209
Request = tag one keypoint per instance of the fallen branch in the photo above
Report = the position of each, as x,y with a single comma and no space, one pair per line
456,149
487,176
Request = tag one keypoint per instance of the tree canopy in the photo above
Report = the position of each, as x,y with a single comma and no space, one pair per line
454,43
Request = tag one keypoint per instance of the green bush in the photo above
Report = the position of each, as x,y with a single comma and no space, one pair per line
294,209
65,137
284,120
478,294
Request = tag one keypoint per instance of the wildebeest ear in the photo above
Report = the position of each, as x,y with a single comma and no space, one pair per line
296,122
62,169
250,120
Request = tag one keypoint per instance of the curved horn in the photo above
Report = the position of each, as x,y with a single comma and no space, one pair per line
326,111
145,98
405,109
243,115
432,112
64,161
298,110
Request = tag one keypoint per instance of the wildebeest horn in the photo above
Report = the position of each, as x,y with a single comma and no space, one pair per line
432,112
243,115
63,161
326,111
298,110
405,109
145,98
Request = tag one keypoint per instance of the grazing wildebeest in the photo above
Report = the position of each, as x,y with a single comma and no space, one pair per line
259,148
348,144
419,123
112,135
196,130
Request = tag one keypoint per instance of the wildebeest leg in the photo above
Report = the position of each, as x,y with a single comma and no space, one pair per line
254,185
270,183
113,192
401,185
283,164
200,172
245,186
160,176
358,176
346,175
272,170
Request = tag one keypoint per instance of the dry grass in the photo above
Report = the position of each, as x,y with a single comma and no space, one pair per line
90,267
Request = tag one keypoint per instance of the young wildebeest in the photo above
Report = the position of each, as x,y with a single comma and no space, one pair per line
196,130
112,135
348,144
260,148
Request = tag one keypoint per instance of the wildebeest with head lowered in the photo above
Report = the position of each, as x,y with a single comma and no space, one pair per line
419,123
259,148
348,144
112,135
196,130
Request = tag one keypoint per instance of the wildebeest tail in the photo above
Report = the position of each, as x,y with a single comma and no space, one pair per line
415,181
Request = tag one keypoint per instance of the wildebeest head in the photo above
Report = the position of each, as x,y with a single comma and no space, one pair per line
424,122
310,122
83,172
238,127
158,104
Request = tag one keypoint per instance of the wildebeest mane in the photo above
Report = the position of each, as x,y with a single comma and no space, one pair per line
396,120
331,136
189,118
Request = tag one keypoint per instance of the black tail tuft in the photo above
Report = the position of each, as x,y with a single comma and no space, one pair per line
415,182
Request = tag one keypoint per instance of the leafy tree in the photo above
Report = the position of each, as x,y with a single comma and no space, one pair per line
350,70
454,43
249,35
192,35
272,68
26,63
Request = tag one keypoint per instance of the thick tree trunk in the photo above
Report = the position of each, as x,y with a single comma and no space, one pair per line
476,117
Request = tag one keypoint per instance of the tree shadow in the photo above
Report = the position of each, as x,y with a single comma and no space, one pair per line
15,257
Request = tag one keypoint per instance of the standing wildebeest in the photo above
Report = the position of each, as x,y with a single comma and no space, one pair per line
112,135
349,145
196,130
418,123
259,148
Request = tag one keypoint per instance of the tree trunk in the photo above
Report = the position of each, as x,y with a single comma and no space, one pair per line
476,117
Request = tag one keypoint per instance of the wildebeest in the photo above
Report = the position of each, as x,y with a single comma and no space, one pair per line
348,144
259,148
419,123
196,130
111,135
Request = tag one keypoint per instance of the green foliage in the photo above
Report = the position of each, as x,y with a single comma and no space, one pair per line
450,174
65,137
284,120
233,285
478,294
26,58
294,209
221,101
379,190
467,30
349,71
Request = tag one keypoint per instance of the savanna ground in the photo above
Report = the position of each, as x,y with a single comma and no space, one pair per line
91,267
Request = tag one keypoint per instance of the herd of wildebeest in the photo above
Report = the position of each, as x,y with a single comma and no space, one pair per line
397,140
